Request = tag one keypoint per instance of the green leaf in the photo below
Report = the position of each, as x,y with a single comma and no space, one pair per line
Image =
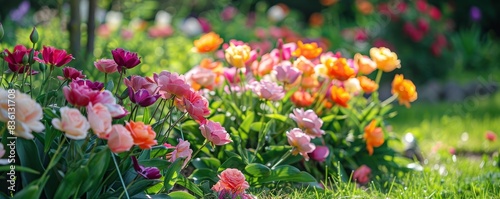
32,190
257,126
206,163
204,174
158,163
277,117
98,163
70,183
186,183
110,85
286,173
245,125
28,154
256,169
172,173
181,195
49,113
146,115
218,118
19,168
232,162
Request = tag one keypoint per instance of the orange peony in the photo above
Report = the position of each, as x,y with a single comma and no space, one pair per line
374,136
364,7
302,99
339,69
385,59
340,96
368,85
208,42
309,51
405,89
364,63
143,135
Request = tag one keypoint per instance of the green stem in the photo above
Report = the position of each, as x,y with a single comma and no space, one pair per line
288,153
105,78
173,125
119,82
47,84
120,175
197,151
389,100
379,76
156,109
128,186
51,163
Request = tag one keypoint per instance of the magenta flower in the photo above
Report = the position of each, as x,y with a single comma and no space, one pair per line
287,73
125,59
308,121
55,57
137,82
171,84
15,59
196,105
228,13
320,153
70,73
215,133
182,150
142,97
81,92
267,90
286,51
300,142
106,65
146,172
231,75
362,174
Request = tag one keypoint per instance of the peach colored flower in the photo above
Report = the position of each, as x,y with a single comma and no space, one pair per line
309,82
304,65
201,78
362,174
367,84
28,113
385,59
231,180
120,139
364,64
309,50
300,142
373,136
302,98
100,120
143,134
308,121
208,42
265,65
106,65
237,55
215,133
340,96
72,123
340,68
405,89
182,150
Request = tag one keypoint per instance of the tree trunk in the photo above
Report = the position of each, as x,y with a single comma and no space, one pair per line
74,28
91,28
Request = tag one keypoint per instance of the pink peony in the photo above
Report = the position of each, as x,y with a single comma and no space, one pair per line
106,65
320,153
120,139
171,84
72,123
265,65
125,59
362,174
300,142
182,150
232,181
267,90
100,120
196,105
287,73
215,133
308,121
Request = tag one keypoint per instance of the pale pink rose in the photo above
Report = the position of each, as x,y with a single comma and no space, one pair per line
196,105
267,90
231,180
215,133
320,153
265,65
202,76
120,139
100,120
107,99
362,174
72,123
308,121
286,73
28,113
182,150
300,142
491,136
137,82
171,84
106,65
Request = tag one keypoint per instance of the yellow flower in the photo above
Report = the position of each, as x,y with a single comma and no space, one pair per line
405,89
237,55
374,136
208,42
385,59
309,51
339,69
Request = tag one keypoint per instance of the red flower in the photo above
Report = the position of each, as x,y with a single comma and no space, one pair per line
15,59
55,57
71,73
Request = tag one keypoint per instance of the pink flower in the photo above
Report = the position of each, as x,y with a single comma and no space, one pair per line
120,139
107,99
70,73
452,151
320,153
434,13
362,174
215,133
100,120
308,121
137,82
231,75
228,13
81,92
286,73
171,83
267,90
300,142
55,57
145,172
182,150
106,65
15,59
203,77
491,136
196,105
125,59
72,123
28,113
160,31
265,65
232,181
286,51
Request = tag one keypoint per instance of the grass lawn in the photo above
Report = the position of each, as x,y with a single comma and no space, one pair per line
474,172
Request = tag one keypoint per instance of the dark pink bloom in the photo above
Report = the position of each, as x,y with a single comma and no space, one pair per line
81,92
421,5
136,83
490,136
71,73
146,172
125,59
231,76
362,174
215,133
15,59
423,25
434,13
55,57
196,105
142,97
228,13
320,153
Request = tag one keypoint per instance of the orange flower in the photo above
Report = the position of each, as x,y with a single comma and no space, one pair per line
309,82
143,135
338,68
316,19
385,59
374,136
364,63
368,85
340,96
302,99
405,89
364,7
309,51
304,65
208,42
328,2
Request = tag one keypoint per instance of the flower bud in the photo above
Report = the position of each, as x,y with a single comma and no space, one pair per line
1,31
34,35
42,67
32,55
26,59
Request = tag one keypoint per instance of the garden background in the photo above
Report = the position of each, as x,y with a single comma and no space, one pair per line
449,49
